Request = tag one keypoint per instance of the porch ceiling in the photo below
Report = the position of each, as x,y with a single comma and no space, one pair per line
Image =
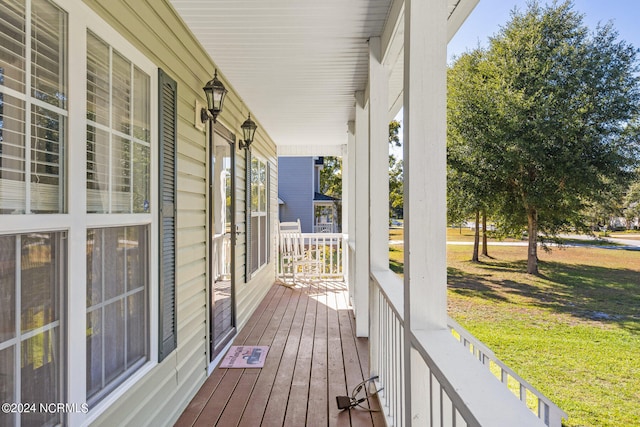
295,63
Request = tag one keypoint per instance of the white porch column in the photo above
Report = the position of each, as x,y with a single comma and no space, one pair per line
378,158
425,163
378,175
349,203
425,262
346,179
361,230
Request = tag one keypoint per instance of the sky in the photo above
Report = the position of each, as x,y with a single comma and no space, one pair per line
489,15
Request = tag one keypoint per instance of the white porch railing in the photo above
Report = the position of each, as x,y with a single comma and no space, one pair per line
324,228
544,408
455,390
388,355
327,249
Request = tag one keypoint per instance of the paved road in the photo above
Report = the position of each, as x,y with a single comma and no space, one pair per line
628,244
621,241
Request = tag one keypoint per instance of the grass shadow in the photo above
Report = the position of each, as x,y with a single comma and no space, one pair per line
464,283
593,293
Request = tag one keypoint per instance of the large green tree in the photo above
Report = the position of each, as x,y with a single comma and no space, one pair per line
470,171
632,201
331,177
560,103
396,185
396,173
331,182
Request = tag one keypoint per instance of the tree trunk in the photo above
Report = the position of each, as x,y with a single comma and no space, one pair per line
476,238
532,253
485,250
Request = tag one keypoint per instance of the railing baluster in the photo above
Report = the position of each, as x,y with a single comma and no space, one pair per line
328,249
443,405
544,408
392,358
436,390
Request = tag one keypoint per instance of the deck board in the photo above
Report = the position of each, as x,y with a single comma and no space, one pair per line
318,405
336,372
255,409
277,403
299,392
213,409
313,357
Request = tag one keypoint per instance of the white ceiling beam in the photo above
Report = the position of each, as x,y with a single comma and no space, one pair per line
458,16
392,33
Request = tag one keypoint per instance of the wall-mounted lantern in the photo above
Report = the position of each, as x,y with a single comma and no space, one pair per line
215,92
248,131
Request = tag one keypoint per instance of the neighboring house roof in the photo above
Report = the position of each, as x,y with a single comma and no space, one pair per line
319,197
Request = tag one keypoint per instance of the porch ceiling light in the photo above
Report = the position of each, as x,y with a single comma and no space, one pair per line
248,131
215,92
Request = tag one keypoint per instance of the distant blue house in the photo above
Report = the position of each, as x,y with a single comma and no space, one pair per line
300,198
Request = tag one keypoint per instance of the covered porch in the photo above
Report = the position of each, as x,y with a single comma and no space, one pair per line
143,294
326,80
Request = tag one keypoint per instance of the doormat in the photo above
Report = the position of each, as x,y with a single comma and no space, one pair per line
245,356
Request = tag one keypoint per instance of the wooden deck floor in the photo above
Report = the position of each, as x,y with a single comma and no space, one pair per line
313,357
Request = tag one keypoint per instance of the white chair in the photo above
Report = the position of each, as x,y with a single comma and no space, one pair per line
291,226
296,259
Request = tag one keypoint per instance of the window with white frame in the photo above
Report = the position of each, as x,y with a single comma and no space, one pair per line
117,282
118,122
259,217
40,52
118,181
33,180
32,283
33,107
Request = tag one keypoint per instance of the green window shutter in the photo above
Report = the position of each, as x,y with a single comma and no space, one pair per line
167,122
268,220
247,227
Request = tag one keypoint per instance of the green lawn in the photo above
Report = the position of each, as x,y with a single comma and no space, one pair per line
573,332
